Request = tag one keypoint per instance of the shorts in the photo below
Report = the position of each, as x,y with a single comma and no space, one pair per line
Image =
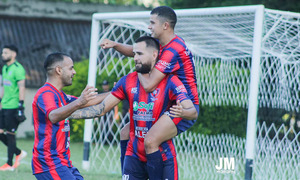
9,120
62,172
183,124
135,169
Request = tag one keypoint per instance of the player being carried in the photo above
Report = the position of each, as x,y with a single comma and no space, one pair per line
174,58
146,110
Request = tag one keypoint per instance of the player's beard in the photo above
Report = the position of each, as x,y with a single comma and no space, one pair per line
6,60
144,68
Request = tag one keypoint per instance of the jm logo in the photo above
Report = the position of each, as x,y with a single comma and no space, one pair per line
228,165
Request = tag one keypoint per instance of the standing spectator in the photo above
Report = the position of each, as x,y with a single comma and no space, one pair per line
12,100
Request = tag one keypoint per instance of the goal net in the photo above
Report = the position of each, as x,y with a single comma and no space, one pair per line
227,50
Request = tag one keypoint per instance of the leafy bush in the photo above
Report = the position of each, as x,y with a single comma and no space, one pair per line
214,120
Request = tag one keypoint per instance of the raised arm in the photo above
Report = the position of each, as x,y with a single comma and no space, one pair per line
151,80
184,109
97,110
63,112
124,49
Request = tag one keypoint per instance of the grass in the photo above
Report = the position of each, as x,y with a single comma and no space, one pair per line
23,172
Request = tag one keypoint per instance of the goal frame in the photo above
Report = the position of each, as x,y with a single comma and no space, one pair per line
254,73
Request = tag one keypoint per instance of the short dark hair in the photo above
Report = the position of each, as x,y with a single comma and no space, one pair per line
167,13
150,42
12,47
53,58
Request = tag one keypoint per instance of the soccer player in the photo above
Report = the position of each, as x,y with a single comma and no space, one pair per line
174,58
51,107
12,100
145,110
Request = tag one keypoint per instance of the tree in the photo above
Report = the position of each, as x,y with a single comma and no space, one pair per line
286,5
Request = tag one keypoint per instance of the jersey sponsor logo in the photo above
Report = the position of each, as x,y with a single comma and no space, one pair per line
143,116
6,82
142,105
141,132
134,90
163,65
154,94
180,88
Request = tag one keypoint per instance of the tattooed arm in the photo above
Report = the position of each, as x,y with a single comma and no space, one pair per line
97,110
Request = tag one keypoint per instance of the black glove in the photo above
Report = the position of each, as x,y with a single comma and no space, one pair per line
21,116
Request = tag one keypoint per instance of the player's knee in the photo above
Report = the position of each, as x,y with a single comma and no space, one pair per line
124,134
150,143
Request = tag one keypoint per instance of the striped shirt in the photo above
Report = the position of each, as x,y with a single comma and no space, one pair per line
51,141
146,108
175,58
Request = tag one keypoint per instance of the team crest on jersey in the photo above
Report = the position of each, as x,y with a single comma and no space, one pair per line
154,94
134,90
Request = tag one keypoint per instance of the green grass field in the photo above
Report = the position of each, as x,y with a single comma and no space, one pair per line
23,172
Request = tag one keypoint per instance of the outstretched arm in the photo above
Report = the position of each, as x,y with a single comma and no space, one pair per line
97,110
63,112
184,109
151,80
122,48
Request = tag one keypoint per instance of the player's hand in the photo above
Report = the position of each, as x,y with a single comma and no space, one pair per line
1,131
106,43
176,110
87,94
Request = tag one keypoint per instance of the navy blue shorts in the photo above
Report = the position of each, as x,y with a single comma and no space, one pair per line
184,124
63,173
135,169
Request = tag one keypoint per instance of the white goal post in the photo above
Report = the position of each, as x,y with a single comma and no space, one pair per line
245,56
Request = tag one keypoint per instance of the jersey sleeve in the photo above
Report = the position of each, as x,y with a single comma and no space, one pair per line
168,61
70,98
177,89
20,73
119,89
47,102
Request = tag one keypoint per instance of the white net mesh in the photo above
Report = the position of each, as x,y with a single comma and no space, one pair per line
222,46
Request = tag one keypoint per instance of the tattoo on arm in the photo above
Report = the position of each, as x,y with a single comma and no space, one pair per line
89,112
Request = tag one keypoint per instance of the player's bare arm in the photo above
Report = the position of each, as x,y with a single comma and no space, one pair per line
184,109
97,110
21,85
98,99
63,112
124,49
151,80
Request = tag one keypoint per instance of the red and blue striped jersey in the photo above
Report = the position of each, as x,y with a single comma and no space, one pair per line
51,141
177,59
146,108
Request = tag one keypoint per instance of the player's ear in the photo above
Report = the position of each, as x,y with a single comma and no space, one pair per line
166,25
155,55
58,70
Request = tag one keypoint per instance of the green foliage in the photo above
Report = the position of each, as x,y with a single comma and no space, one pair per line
289,5
214,120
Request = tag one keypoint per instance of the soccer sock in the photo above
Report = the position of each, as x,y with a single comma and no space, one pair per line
155,165
123,145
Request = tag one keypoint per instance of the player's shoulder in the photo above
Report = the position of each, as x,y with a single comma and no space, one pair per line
44,89
176,44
